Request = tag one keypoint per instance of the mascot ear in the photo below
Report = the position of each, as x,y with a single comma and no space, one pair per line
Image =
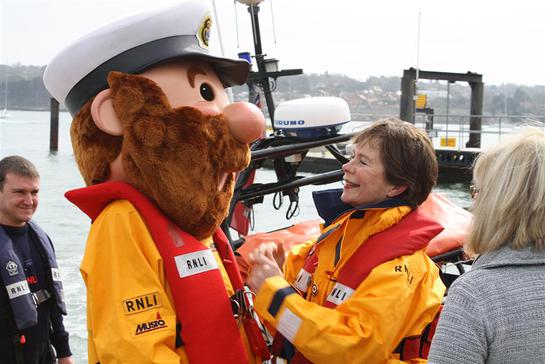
103,114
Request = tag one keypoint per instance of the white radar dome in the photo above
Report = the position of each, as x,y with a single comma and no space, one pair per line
312,117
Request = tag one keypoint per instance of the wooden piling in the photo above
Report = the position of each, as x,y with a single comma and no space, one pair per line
54,129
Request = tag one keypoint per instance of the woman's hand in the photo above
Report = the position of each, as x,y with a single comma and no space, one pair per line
264,263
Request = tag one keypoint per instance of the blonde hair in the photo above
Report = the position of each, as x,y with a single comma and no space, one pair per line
510,207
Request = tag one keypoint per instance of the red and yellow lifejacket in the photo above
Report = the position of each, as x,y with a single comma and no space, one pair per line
192,274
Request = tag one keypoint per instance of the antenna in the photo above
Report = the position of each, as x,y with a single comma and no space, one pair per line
272,18
236,22
418,46
417,66
229,91
267,69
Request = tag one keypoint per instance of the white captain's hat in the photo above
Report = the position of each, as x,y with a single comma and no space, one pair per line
134,44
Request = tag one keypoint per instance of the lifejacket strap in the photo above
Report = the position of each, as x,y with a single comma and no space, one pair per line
409,347
282,348
418,346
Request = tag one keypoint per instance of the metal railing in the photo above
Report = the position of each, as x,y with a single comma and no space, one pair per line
453,131
493,128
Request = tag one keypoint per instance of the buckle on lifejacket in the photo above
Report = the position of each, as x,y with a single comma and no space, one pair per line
237,310
243,303
243,309
40,296
409,348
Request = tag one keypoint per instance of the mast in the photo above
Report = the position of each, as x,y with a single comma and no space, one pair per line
267,69
263,79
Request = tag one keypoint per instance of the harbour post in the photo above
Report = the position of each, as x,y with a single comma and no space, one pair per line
476,110
408,92
54,126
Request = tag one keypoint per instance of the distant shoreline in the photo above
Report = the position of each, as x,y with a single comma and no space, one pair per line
34,109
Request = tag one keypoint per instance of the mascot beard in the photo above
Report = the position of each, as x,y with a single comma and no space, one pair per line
181,159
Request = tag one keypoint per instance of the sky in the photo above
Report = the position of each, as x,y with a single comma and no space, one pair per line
502,40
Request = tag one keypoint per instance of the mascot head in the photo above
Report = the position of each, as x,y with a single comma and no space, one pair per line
151,110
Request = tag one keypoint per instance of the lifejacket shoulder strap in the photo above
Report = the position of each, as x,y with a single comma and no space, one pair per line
47,250
14,281
410,234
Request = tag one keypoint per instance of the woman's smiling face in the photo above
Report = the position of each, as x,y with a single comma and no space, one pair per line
364,177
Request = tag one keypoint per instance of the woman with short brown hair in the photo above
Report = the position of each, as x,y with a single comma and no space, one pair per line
365,290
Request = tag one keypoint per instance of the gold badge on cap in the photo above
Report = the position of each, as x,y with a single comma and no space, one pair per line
203,34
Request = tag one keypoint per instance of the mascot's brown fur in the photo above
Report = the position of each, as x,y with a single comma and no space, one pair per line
182,160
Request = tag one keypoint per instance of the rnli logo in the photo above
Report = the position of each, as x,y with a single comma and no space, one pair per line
404,269
340,293
149,326
195,263
17,289
204,32
12,268
141,303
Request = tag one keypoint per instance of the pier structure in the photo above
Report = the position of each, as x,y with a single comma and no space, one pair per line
454,163
475,80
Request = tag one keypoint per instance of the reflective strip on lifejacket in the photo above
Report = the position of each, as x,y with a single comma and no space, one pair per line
302,282
339,293
55,274
304,277
289,324
195,263
17,289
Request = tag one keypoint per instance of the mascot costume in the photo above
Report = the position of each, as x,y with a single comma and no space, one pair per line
159,145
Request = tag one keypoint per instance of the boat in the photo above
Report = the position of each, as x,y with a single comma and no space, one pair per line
298,128
4,114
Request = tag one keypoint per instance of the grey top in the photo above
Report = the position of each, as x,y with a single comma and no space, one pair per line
495,313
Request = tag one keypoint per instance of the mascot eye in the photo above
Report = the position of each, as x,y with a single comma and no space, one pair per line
207,92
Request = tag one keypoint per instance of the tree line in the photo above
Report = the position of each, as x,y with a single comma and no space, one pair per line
26,91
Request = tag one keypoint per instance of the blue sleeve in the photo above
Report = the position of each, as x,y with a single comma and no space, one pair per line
59,335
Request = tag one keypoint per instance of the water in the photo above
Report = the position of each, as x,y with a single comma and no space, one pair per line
26,133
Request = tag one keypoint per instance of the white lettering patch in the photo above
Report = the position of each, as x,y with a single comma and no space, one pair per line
17,289
56,274
289,324
195,263
302,282
339,293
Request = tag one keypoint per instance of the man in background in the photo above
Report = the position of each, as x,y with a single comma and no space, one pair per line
32,304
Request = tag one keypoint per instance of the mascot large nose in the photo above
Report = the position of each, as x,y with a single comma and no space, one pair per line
246,121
